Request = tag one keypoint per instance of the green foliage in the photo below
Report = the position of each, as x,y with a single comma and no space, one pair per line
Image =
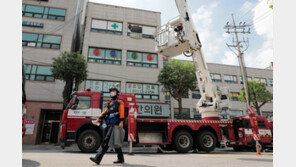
257,94
70,68
178,78
270,3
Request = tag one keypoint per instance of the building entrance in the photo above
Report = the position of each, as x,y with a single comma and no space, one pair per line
50,126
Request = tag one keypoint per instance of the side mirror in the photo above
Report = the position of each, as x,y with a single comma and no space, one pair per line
74,106
73,93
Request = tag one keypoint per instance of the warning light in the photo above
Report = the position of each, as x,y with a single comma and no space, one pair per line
88,89
129,99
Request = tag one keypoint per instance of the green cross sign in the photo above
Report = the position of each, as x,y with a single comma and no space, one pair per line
114,26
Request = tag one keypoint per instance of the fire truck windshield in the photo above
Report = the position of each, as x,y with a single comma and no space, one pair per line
242,123
81,102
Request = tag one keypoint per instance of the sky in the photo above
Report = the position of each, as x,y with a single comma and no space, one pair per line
210,17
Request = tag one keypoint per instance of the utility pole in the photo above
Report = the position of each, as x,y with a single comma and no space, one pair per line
237,44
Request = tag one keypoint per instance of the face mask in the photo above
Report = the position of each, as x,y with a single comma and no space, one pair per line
112,94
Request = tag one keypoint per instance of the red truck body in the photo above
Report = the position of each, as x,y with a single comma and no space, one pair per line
179,135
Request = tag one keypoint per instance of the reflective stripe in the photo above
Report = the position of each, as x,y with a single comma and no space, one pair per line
256,137
251,110
131,137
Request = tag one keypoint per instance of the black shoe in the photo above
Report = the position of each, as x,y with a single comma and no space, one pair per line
118,162
95,160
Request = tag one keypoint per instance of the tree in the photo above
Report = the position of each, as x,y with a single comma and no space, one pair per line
70,68
270,2
178,78
257,94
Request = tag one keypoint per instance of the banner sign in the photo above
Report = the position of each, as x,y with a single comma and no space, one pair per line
29,127
150,109
156,110
32,24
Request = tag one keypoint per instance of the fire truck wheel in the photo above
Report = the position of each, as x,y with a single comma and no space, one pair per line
206,141
89,141
183,141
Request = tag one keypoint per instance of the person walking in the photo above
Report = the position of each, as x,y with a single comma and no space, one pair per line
114,117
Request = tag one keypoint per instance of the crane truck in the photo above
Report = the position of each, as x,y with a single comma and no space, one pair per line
176,37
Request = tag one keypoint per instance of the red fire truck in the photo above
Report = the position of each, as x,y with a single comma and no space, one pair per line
179,135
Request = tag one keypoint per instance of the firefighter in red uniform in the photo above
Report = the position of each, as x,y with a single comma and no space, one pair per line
114,116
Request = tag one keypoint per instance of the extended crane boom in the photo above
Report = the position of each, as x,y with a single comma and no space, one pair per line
179,36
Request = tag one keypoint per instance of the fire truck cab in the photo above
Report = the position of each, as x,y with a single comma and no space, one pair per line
243,135
77,126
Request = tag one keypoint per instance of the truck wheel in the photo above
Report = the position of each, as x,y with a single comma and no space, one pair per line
89,141
238,148
183,141
206,141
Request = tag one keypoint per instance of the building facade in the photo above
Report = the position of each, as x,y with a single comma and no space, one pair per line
228,76
120,49
48,28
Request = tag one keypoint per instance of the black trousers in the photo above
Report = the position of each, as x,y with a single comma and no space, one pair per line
104,147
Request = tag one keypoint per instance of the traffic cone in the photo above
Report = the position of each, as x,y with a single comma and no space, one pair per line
258,149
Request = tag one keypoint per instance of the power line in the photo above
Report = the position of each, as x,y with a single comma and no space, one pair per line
252,20
250,9
262,17
237,44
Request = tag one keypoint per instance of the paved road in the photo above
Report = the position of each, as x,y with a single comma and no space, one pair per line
147,158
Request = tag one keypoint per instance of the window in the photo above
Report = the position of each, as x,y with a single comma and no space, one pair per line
108,56
261,80
248,78
234,96
104,26
81,102
234,113
196,94
143,91
216,77
230,78
44,12
223,114
167,99
140,59
41,40
185,113
38,73
143,31
196,115
185,95
101,86
261,124
270,82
